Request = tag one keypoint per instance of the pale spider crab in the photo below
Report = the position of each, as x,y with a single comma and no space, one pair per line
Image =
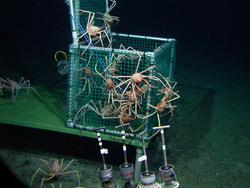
126,116
123,113
108,111
137,79
165,102
131,98
88,78
159,108
15,87
109,84
113,64
55,171
107,18
169,93
105,110
93,31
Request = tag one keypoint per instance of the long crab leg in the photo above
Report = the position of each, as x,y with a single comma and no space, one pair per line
34,91
39,169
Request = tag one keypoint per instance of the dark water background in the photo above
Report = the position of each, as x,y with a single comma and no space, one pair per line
199,26
216,32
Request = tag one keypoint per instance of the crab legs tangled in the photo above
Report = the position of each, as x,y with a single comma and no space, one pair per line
129,94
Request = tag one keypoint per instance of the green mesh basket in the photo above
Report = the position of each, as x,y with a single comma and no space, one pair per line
88,94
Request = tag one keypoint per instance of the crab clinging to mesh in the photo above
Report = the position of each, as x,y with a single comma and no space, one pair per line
135,81
159,108
109,83
107,18
165,102
93,31
168,91
87,77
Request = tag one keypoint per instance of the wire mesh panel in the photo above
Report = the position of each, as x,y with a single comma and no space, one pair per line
102,91
162,50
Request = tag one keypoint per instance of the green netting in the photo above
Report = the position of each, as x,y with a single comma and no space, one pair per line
29,110
91,103
139,43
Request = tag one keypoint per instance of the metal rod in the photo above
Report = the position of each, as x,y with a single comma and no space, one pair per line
123,141
144,149
102,151
124,146
73,25
120,126
143,37
163,139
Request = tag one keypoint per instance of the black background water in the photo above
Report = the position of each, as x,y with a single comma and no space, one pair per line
197,25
